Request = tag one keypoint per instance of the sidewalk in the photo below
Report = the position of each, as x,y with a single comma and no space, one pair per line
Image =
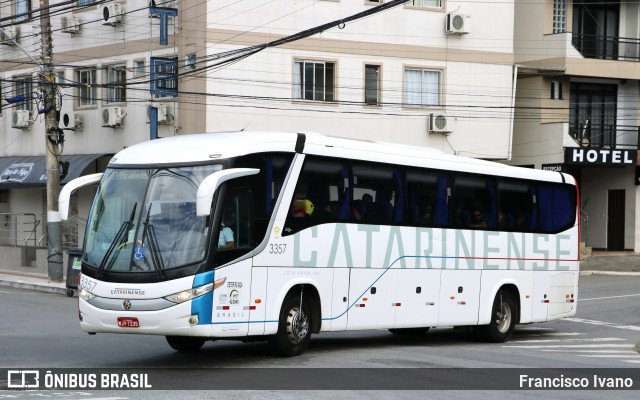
37,282
600,264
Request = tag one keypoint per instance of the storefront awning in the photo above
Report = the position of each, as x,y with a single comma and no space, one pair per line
30,171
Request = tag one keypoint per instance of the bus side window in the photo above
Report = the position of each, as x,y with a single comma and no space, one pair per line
378,196
321,195
474,202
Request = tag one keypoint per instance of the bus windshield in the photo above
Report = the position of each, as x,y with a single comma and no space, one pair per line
144,220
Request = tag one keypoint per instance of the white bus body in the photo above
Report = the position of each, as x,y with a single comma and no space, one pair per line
304,257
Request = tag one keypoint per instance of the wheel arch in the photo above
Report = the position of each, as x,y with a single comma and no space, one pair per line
311,295
486,306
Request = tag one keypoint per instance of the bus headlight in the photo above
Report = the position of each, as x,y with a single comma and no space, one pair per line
85,295
189,294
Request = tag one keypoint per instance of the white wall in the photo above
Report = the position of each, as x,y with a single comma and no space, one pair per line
596,183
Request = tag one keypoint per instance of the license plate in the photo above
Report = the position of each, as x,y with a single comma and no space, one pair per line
128,322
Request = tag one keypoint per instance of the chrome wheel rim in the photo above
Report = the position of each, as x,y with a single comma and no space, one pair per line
503,317
297,325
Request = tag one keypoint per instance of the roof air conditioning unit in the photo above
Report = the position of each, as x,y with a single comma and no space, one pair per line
21,119
439,123
71,121
112,117
70,24
458,23
9,35
162,3
163,113
112,14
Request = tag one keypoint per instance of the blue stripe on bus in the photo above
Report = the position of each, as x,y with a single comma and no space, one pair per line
203,306
203,279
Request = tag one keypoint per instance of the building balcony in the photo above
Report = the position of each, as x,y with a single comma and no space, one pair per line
606,47
611,137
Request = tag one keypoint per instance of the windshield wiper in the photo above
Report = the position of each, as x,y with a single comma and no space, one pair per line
116,242
156,258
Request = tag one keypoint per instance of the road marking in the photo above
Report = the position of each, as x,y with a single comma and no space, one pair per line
566,340
602,323
590,351
606,356
573,346
610,297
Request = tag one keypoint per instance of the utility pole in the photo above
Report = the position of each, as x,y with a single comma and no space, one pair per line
53,141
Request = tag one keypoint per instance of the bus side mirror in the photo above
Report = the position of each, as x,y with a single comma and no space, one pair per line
65,193
212,182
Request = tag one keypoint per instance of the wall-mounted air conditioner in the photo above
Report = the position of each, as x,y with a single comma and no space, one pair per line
164,114
21,119
71,121
70,23
112,14
440,123
112,117
458,23
9,35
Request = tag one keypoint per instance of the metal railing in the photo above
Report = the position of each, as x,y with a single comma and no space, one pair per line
613,136
19,229
71,233
606,47
584,226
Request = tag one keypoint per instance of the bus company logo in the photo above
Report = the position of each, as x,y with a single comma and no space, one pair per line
23,379
130,292
234,297
277,231
126,305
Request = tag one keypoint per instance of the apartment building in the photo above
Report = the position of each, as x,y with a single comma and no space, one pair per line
435,73
577,107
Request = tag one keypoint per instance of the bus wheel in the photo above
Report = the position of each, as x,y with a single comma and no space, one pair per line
186,344
410,331
294,327
503,320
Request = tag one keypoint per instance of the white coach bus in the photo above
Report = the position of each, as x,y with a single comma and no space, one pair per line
278,236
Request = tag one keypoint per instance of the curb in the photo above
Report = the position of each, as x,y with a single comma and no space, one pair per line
34,286
614,273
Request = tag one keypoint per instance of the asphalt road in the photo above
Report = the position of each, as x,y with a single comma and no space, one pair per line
41,331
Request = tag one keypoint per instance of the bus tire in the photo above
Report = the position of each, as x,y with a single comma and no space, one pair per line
187,344
410,331
503,319
294,327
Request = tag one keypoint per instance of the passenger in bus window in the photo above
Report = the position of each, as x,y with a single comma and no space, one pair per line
477,219
226,239
426,214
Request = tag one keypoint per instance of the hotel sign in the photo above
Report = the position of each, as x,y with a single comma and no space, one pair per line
590,156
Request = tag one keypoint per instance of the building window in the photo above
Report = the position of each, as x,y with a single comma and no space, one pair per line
117,84
372,85
426,3
139,68
190,61
422,87
559,16
86,2
22,10
87,92
556,90
314,80
24,88
593,114
164,77
60,78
